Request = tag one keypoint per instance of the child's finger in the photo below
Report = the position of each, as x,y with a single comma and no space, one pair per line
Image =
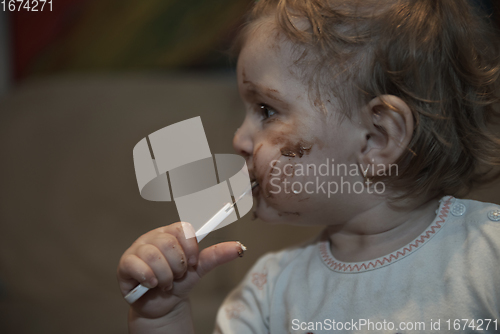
154,258
185,234
217,255
172,252
132,268
160,265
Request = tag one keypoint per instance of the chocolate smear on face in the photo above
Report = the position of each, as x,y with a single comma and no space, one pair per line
296,150
255,155
287,153
272,168
292,146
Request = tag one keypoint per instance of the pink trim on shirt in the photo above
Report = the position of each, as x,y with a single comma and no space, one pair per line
335,265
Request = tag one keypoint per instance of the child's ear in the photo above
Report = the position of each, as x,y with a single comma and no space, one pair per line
388,133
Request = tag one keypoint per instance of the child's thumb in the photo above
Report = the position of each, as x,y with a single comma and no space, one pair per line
217,255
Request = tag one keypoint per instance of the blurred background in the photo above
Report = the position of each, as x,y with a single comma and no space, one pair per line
79,86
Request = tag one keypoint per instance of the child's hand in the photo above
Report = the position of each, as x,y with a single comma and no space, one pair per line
170,265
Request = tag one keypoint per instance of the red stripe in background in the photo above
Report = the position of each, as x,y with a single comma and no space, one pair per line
32,32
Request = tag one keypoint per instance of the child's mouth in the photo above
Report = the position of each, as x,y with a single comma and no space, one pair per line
255,187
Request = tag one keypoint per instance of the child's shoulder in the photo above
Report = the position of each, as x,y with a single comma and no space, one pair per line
468,248
473,224
475,212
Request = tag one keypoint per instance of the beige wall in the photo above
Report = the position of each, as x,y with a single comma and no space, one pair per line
69,203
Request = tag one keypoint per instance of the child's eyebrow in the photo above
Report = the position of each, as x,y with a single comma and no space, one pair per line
269,92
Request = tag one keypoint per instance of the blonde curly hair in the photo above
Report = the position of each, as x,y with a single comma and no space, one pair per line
442,57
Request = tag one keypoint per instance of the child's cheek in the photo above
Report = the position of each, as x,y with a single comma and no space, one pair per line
275,168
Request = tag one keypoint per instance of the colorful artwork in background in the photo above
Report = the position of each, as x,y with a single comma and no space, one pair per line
116,35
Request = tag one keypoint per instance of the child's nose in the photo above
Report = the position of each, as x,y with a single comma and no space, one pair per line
242,141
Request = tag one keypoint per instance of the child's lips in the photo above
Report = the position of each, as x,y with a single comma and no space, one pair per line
253,180
255,191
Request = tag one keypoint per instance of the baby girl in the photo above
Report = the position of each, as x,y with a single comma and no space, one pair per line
369,118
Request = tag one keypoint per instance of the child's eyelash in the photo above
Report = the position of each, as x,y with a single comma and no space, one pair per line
266,111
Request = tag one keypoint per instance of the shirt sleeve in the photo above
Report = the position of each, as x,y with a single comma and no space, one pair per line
246,309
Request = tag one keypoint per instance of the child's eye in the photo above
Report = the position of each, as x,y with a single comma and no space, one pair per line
266,111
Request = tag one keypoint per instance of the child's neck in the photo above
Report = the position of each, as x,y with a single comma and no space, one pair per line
381,229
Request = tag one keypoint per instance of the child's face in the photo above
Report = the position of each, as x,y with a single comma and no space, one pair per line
283,132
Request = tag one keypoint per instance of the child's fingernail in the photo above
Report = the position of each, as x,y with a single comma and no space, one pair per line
242,249
192,260
151,283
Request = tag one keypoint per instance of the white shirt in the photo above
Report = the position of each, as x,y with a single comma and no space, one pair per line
439,283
